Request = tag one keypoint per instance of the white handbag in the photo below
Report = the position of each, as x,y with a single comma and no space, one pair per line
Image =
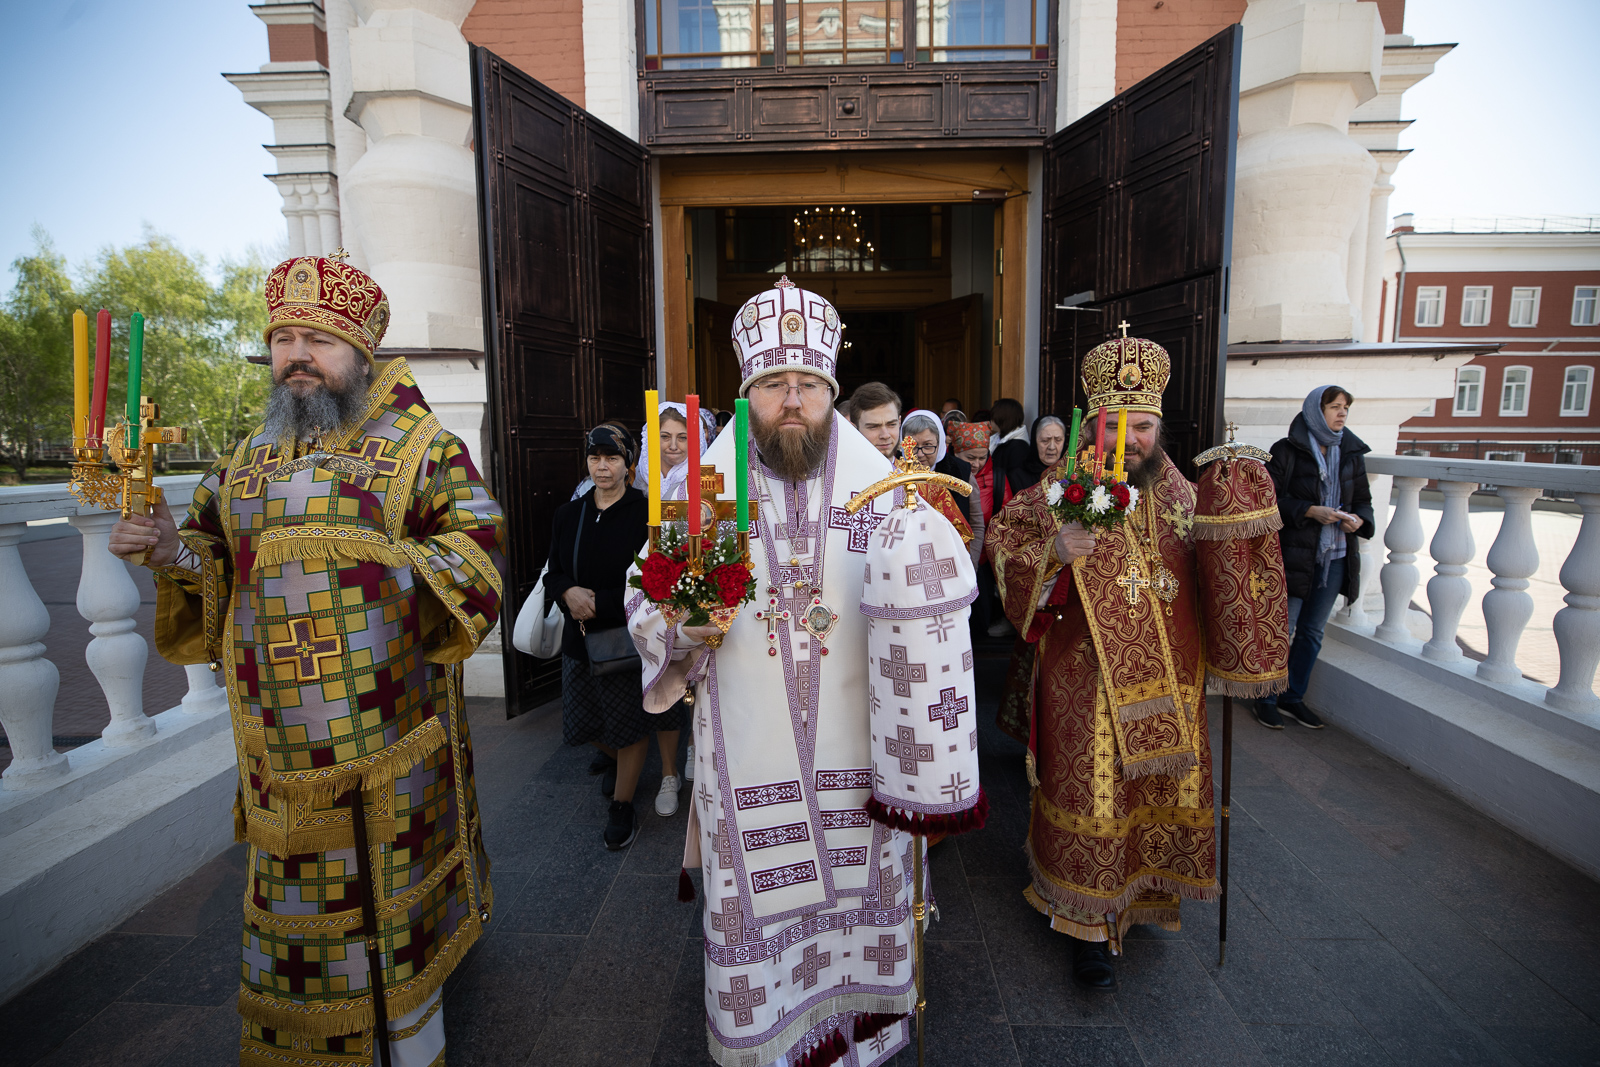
538,630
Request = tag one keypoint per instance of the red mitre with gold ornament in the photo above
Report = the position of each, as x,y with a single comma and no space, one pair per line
1244,600
1126,372
328,294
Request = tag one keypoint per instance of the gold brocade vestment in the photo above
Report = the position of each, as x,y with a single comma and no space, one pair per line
1122,824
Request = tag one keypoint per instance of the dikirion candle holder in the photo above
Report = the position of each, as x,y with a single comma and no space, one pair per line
119,478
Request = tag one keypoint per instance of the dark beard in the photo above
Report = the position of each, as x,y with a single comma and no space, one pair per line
1146,472
332,406
789,454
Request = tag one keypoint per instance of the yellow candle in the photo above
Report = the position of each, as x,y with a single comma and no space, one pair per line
652,445
1122,443
80,378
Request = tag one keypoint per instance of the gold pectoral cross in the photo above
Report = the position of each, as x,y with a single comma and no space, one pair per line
1132,581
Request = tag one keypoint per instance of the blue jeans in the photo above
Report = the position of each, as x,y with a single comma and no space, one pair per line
1308,617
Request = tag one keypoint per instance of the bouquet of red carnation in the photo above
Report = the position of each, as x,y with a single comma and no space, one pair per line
1093,501
699,591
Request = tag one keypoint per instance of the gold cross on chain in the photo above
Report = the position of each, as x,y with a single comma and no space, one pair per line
1132,581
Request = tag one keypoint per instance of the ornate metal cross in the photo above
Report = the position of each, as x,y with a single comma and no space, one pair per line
774,617
712,510
1132,581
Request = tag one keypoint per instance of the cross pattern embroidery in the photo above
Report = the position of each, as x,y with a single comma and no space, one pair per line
930,573
948,709
705,797
1258,586
253,475
304,649
860,525
730,922
372,455
893,532
1178,520
740,999
940,627
899,668
903,747
811,961
956,788
886,954
722,846
889,884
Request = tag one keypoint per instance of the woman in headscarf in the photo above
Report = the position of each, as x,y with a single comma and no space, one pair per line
1049,442
593,541
927,434
1320,475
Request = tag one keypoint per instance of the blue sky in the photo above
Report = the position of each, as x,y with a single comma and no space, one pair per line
117,116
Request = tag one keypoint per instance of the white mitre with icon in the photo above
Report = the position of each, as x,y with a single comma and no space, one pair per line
787,328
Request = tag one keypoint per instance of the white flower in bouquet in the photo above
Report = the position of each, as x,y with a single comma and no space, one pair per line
1099,500
1052,495
1133,497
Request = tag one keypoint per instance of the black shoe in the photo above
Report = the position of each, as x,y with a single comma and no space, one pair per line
1267,715
608,781
602,763
1091,965
1302,715
622,827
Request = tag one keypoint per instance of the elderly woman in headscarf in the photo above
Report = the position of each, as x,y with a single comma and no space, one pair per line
927,436
593,541
1320,474
1049,441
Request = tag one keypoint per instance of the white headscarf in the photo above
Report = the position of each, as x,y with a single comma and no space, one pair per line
938,425
675,480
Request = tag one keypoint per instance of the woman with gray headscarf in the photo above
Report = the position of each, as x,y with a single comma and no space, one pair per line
1320,476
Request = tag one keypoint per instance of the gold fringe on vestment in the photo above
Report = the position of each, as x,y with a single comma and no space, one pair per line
277,547
1143,709
1238,527
1078,898
325,784
1176,764
1230,684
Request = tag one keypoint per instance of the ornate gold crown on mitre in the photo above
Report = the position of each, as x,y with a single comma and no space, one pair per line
1126,372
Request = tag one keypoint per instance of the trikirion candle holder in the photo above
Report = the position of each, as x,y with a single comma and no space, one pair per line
697,570
118,478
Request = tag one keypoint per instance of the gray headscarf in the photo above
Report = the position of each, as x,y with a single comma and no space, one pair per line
1327,470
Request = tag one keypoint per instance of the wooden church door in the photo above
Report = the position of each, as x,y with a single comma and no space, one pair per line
1138,216
569,320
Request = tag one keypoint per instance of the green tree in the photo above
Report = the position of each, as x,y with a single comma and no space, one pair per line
36,355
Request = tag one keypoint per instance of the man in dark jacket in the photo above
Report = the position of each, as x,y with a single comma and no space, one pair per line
1320,475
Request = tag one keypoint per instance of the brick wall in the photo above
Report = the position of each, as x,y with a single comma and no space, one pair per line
1152,33
297,44
542,38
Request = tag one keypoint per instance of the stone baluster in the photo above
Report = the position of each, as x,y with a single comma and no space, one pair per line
1448,589
1513,558
1399,577
108,598
204,695
1577,625
28,681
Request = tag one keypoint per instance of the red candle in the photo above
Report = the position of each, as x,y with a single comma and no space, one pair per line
692,402
1100,443
102,376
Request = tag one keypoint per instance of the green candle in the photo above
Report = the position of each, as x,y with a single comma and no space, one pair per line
1072,440
135,374
741,462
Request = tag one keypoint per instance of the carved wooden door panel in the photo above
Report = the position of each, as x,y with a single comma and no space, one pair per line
716,364
566,255
1138,216
947,339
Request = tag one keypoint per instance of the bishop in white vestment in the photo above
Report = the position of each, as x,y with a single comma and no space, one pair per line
808,926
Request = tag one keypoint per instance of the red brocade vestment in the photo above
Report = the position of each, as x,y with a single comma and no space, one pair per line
1122,824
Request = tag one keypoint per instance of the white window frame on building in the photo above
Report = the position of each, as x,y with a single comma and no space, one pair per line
1471,380
1524,307
1578,377
1515,383
1430,306
1475,303
1585,304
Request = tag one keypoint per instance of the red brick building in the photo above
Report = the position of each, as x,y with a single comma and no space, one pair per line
1533,287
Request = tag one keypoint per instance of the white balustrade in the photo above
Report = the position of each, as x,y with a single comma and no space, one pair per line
108,598
1399,577
1577,626
1513,560
205,691
1448,589
28,681
1507,607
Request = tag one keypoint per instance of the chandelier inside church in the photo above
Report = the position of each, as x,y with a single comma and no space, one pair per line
831,239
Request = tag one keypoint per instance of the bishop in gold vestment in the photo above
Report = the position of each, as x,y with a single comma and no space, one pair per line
1122,823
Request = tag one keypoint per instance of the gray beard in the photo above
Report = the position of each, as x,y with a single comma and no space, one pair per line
324,411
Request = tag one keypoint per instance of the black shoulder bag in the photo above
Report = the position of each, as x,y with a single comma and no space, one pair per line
610,651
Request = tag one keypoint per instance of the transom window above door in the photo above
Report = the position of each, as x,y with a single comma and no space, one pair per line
721,34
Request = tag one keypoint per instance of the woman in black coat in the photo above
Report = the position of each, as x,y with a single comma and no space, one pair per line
593,541
1320,475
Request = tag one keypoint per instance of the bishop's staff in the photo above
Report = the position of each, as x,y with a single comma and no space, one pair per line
927,573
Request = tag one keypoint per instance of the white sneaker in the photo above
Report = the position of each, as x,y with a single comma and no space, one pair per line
688,767
667,799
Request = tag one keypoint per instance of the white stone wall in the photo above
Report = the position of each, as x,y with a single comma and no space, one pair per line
611,64
1088,58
